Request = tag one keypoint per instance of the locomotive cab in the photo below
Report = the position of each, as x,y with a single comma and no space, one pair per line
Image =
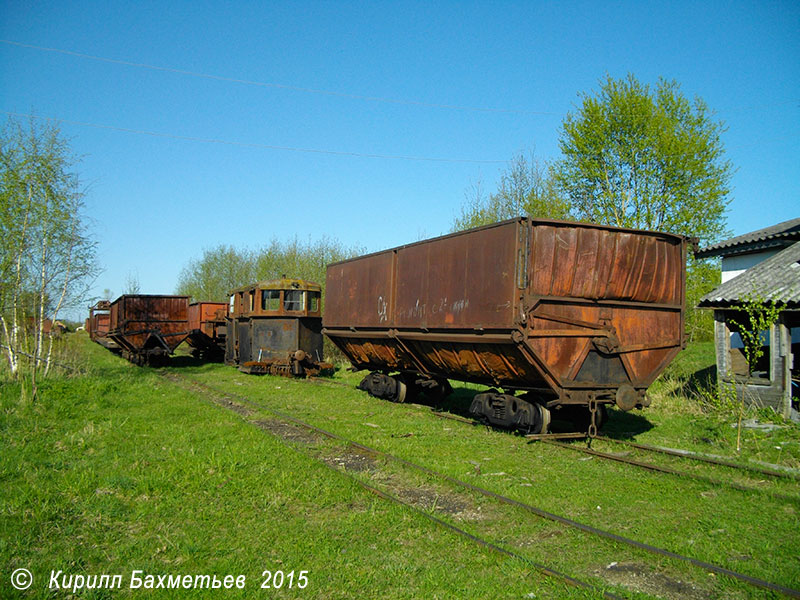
276,327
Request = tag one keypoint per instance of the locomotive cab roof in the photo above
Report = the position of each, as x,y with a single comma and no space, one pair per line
284,283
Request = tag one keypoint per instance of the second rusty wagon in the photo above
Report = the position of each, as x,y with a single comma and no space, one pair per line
207,329
572,316
97,325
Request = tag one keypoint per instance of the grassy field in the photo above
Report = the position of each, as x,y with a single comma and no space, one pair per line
119,470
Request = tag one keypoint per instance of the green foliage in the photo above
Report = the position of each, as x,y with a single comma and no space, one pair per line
47,258
224,268
218,271
755,320
634,157
526,189
702,276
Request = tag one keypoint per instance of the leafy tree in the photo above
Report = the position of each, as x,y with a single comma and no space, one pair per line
221,269
47,259
224,268
649,159
526,188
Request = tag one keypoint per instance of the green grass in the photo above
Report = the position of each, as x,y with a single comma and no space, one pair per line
753,533
117,469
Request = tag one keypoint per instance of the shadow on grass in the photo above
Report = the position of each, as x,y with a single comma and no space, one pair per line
625,425
700,384
619,425
183,361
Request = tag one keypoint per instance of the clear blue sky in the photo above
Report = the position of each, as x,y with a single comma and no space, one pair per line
360,84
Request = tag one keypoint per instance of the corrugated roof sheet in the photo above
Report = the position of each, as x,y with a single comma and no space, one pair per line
776,279
775,235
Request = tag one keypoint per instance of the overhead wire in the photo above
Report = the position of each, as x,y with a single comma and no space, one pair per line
256,144
283,86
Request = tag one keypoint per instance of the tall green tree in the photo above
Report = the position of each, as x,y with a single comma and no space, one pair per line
47,258
646,158
526,188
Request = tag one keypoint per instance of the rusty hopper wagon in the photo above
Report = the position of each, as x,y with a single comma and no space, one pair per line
207,329
275,327
561,316
148,328
98,323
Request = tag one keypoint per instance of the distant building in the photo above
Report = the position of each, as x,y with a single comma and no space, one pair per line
767,262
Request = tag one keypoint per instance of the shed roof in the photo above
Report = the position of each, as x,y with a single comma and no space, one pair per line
782,234
776,279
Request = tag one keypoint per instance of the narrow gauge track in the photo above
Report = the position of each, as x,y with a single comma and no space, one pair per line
669,470
687,454
719,570
702,458
684,454
207,390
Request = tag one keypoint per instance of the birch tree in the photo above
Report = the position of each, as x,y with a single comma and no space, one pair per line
526,188
47,258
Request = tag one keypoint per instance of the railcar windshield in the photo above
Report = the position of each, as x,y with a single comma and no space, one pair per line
270,300
294,300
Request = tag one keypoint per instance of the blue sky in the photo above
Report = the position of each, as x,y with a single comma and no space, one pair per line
321,112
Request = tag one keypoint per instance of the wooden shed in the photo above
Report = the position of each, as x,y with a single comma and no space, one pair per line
765,263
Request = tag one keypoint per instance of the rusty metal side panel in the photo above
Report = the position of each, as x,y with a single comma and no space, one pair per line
141,321
207,316
461,281
98,325
465,281
598,263
358,293
496,362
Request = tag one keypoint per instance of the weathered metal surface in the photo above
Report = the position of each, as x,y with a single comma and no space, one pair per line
207,329
276,327
148,325
98,323
571,312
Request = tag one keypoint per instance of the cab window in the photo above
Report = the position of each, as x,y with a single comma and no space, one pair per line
293,300
270,300
313,301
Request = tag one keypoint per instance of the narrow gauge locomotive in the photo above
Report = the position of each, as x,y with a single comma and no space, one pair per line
276,327
574,316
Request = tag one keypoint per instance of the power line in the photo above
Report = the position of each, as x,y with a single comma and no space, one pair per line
258,145
307,90
279,85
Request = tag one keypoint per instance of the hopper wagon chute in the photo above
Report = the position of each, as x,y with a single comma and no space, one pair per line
560,316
